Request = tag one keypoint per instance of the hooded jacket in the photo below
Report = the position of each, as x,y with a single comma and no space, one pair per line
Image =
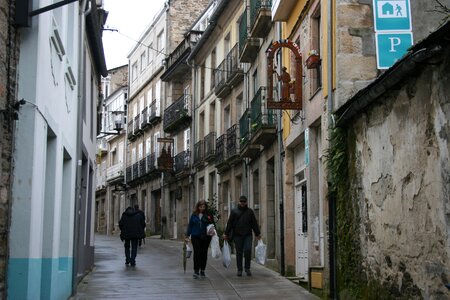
132,225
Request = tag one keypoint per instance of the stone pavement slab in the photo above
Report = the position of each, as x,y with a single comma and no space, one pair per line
159,275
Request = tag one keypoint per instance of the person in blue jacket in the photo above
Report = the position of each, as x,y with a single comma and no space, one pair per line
196,230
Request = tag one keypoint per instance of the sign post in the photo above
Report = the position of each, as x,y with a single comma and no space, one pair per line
393,30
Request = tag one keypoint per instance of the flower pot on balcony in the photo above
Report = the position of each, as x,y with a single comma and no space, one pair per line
313,61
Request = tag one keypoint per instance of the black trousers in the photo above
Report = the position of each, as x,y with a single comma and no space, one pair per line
200,252
243,245
131,257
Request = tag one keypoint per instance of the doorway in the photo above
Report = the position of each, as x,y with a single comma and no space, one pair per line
301,226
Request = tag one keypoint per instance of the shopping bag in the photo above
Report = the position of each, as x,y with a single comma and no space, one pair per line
188,251
226,254
211,230
260,252
215,247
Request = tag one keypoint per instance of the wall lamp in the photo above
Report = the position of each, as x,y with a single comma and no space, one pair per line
118,117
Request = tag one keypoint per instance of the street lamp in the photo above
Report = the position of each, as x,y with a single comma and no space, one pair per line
118,121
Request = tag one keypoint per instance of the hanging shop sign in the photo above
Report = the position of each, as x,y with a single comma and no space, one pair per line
290,96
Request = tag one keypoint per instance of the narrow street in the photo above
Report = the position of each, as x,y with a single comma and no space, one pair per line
159,275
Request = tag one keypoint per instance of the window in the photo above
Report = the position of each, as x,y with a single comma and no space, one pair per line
148,146
187,139
160,41
202,82
143,61
316,37
213,67
140,150
134,71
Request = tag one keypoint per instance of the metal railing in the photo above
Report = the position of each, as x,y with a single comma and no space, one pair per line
221,149
199,152
210,145
232,141
260,116
176,112
182,161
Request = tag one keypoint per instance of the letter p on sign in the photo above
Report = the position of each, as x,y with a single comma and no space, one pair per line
391,46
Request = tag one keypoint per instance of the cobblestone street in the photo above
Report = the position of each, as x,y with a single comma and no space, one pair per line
159,275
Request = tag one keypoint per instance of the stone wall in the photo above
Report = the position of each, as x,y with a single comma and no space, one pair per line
8,62
400,174
182,15
119,78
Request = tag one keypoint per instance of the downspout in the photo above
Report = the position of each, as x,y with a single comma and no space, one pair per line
331,198
79,162
280,164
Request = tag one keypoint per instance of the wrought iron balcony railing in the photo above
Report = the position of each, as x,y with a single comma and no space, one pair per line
177,115
144,118
137,124
232,141
129,174
221,149
244,129
199,153
142,167
260,116
180,51
152,165
235,69
210,146
248,47
154,113
182,162
135,172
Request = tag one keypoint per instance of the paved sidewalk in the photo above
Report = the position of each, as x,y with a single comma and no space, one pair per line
159,275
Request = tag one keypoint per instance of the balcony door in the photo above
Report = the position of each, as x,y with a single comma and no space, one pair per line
301,226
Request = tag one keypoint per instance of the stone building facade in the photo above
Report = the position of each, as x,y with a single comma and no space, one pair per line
397,206
9,54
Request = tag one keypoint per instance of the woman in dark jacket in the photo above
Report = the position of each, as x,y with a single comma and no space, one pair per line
199,221
131,226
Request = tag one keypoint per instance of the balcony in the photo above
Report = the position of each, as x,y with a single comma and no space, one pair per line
182,164
247,148
144,118
221,155
232,145
260,18
235,69
129,174
142,167
282,9
114,173
177,115
199,154
263,121
135,171
176,62
210,146
130,133
154,113
152,165
221,88
248,46
137,123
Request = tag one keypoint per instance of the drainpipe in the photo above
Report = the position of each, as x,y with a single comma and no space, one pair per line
79,151
331,198
280,164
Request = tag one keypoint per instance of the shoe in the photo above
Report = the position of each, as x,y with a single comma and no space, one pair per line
133,263
127,262
196,276
249,273
239,273
202,273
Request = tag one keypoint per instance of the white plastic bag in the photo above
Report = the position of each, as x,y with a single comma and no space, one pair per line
211,230
260,252
215,247
226,254
188,251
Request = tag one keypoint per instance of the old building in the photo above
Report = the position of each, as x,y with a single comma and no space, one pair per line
111,141
156,144
395,138
51,242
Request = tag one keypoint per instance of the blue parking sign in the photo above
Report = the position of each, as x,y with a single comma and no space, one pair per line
392,15
391,46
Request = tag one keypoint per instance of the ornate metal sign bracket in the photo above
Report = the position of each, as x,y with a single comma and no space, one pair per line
288,87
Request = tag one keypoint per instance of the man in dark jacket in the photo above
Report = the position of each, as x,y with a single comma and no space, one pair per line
132,226
241,222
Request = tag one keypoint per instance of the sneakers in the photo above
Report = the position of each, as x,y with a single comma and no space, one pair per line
196,275
202,273
248,272
239,273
